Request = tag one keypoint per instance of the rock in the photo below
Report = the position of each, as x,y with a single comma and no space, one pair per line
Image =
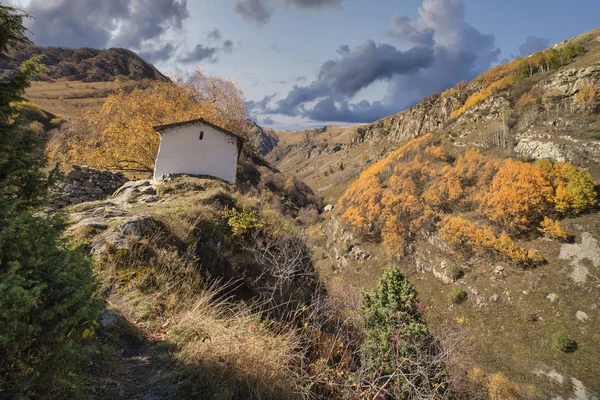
498,270
84,184
359,253
139,226
76,174
109,317
553,297
328,207
537,149
111,238
494,298
580,315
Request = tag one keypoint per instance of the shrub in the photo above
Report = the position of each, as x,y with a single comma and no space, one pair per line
458,295
242,222
553,229
573,187
397,341
562,342
457,273
527,100
587,95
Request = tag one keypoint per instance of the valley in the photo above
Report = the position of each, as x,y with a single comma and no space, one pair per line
448,251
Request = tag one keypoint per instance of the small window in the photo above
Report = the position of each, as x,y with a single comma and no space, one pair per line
201,135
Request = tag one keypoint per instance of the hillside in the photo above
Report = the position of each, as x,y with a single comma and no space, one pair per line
78,79
554,124
85,64
428,202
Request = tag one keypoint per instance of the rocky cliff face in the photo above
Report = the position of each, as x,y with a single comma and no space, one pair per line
431,114
262,139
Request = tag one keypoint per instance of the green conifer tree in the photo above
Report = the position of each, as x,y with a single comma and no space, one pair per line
46,285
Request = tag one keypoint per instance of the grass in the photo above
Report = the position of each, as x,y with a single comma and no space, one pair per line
68,100
216,348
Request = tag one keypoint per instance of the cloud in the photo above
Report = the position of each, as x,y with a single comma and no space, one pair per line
313,4
338,81
257,11
260,11
228,46
201,53
445,49
301,79
260,105
532,45
266,121
411,32
106,23
162,54
214,35
343,50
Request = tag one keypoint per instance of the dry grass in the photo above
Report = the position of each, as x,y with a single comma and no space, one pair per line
68,98
222,349
218,337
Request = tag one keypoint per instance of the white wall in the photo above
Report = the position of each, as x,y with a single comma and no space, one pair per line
182,152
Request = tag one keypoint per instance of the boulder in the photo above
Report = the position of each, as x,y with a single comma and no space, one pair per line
139,226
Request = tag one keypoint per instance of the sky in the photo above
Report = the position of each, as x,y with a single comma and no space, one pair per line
305,63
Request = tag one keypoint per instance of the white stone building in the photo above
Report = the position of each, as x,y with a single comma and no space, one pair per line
197,147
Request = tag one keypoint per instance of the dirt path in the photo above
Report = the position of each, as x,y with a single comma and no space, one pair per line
138,369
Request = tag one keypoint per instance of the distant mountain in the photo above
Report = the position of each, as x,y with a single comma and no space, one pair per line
86,64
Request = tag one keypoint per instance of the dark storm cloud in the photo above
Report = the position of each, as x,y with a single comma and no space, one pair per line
91,23
339,80
446,49
532,45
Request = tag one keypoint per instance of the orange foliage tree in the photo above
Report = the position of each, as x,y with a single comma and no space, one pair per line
417,184
553,229
518,196
120,136
573,189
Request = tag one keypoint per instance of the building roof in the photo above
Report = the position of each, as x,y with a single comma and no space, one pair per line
240,139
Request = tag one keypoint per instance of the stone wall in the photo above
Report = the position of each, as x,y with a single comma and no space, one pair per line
85,184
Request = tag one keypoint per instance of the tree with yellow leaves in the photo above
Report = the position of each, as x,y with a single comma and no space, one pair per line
120,136
517,197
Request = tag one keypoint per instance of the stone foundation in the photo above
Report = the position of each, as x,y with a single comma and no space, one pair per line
85,184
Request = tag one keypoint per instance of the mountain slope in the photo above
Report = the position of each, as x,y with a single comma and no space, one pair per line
429,206
546,114
86,64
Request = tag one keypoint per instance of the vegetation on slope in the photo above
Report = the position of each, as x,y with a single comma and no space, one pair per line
84,64
46,283
414,187
124,122
506,75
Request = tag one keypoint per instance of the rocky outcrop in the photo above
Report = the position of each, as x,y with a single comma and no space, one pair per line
537,149
428,115
85,184
262,139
